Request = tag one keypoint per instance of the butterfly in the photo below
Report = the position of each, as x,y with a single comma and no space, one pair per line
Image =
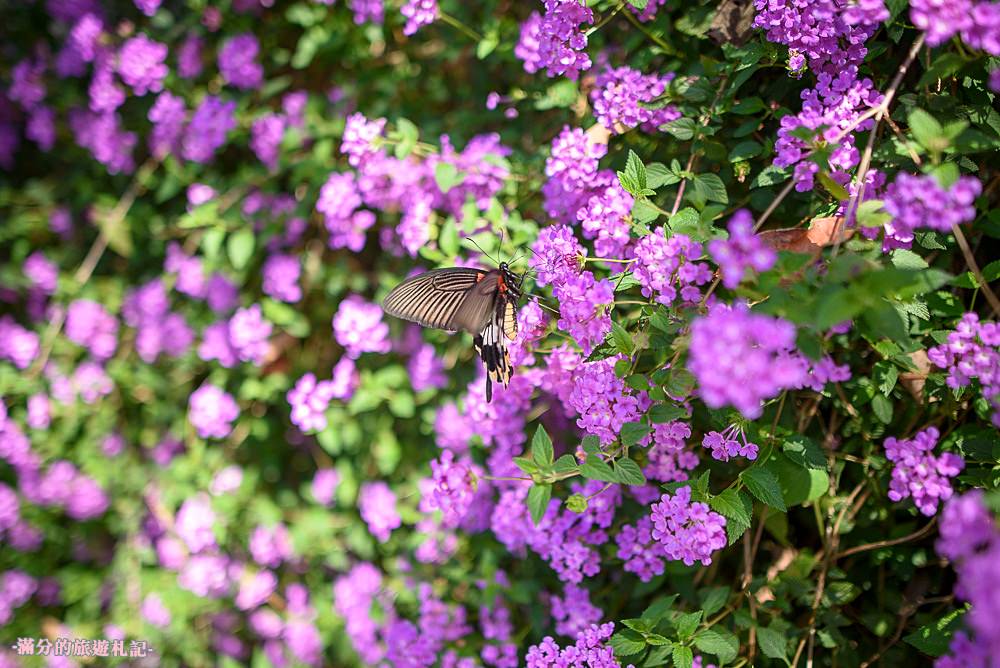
479,301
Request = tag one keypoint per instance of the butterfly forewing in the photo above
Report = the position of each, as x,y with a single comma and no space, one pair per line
481,302
434,298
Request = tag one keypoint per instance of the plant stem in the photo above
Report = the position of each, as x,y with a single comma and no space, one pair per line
461,27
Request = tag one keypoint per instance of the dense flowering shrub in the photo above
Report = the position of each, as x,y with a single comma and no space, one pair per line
756,371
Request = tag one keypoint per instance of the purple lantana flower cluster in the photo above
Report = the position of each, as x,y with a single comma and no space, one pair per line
972,353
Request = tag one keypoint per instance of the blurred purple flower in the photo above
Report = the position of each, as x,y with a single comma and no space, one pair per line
212,411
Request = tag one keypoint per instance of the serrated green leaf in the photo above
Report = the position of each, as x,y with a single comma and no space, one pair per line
658,609
596,468
661,413
538,501
687,624
681,128
628,472
927,131
525,464
638,624
683,657
772,643
541,448
627,643
621,338
713,599
565,464
763,484
934,638
633,432
711,188
657,176
721,643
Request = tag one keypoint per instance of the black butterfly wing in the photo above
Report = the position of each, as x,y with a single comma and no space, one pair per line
451,299
491,346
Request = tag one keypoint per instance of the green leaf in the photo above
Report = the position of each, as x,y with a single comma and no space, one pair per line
871,214
798,483
927,131
721,643
538,501
681,128
661,413
934,638
635,170
638,4
627,642
687,624
239,247
658,656
882,407
596,468
711,188
772,643
565,464
643,211
885,374
736,508
763,484
804,451
713,600
446,176
657,175
408,136
541,448
683,657
527,465
750,105
633,432
834,188
745,150
658,609
628,472
448,239
621,338
591,445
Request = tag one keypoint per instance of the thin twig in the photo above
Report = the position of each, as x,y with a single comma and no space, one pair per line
970,260
920,533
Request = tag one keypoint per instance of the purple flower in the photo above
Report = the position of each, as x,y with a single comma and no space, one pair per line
741,251
584,308
27,83
215,345
168,115
281,278
86,499
339,201
687,531
309,400
742,358
367,11
454,487
353,595
418,13
643,555
212,411
607,218
324,486
222,294
84,37
941,19
104,137
361,137
154,611
266,135
345,379
920,474
668,268
194,523
574,158
556,41
141,66
39,411
17,344
557,255
255,589
358,327
590,650
919,202
9,508
90,325
237,62
189,63
227,480
42,272
205,575
669,459
971,353
573,612
104,92
249,333
620,96
113,445
377,504
269,546
41,127
730,442
206,133
148,7
602,400
426,369
91,382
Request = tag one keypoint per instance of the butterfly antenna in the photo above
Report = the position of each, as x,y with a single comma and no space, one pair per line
481,250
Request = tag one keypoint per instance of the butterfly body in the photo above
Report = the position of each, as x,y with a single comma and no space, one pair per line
479,301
